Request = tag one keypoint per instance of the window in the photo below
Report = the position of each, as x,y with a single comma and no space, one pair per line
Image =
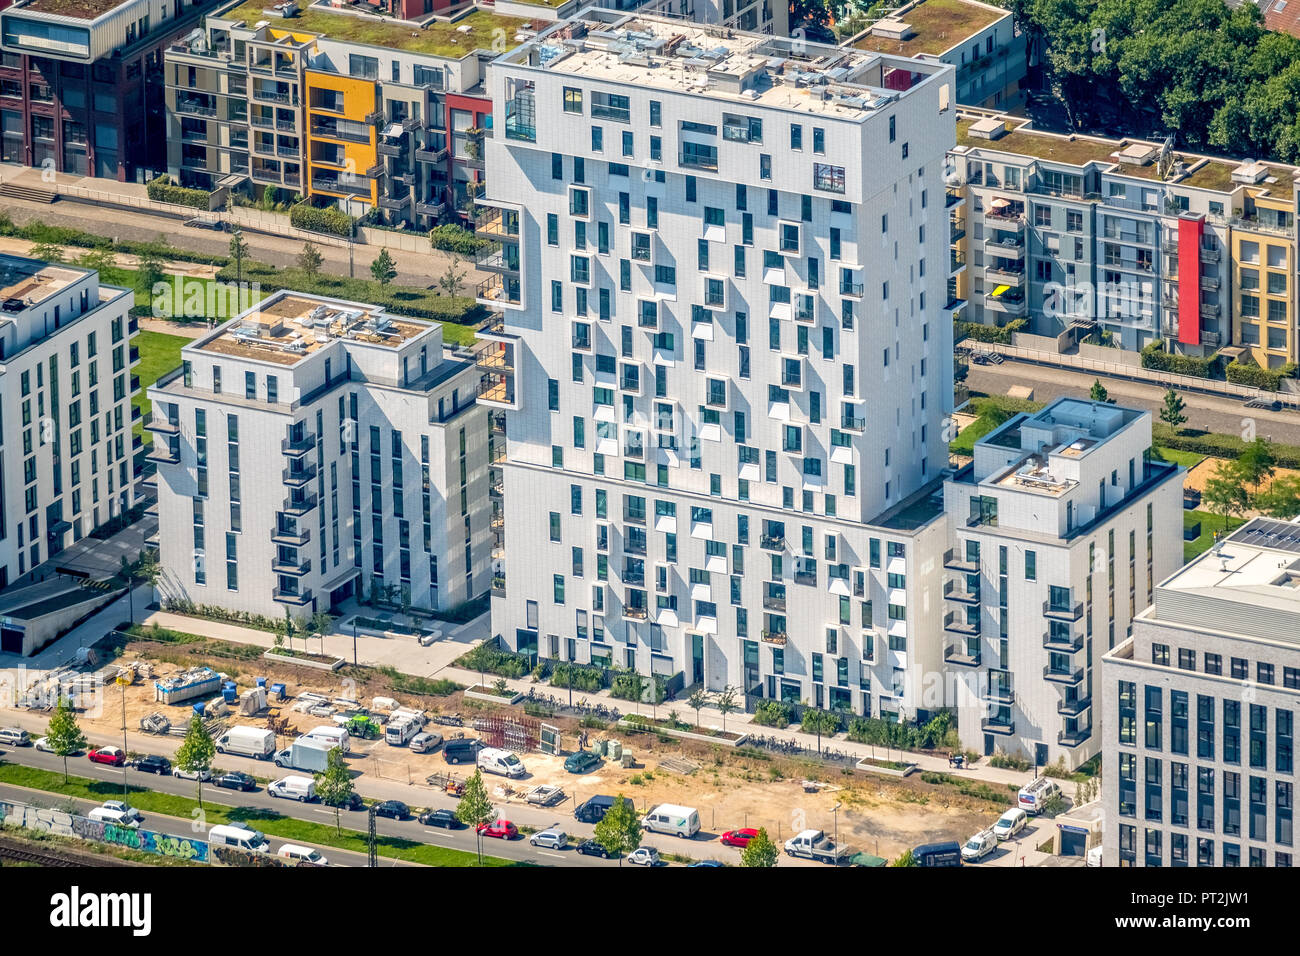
828,178
572,100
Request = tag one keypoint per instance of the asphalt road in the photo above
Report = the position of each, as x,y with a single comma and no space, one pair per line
1212,413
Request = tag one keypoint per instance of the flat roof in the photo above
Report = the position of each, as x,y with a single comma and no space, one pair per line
1258,564
437,37
937,27
32,281
1050,146
76,9
744,68
288,327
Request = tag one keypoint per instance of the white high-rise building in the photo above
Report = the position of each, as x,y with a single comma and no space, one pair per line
311,450
723,359
1062,525
65,409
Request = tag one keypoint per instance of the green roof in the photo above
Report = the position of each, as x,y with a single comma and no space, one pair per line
937,26
1058,149
439,38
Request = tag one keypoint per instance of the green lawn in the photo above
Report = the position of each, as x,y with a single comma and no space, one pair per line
268,821
1210,523
990,411
1185,458
159,354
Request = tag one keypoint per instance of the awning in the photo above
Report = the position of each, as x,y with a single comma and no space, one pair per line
999,290
1000,204
392,131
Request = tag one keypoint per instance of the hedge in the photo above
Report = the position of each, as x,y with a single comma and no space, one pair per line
450,237
79,238
578,677
1154,356
987,333
162,189
316,219
1219,446
1248,373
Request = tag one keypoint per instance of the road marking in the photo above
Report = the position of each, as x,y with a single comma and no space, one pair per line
319,810
558,856
443,845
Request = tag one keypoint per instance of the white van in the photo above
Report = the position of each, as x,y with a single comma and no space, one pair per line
1031,798
334,736
398,733
115,816
301,854
673,820
240,837
257,742
302,789
495,760
979,846
1010,823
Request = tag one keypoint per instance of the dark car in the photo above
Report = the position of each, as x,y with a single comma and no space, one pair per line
706,863
581,762
440,818
151,763
352,801
235,780
937,854
592,848
395,809
594,809
461,750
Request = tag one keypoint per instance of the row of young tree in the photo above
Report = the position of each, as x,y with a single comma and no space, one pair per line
1251,483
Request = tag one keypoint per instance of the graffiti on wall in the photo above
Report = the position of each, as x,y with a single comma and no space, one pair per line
68,824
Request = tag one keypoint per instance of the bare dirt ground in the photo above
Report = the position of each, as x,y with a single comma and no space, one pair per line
879,815
1207,468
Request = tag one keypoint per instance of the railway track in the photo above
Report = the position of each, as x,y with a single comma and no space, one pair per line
17,851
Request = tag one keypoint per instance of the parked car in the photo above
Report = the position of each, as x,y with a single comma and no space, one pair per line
499,829
394,809
594,809
1010,823
581,762
425,742
592,848
43,745
152,763
125,809
352,801
644,856
112,756
738,838
979,846
440,818
15,736
236,780
461,750
947,853
706,863
552,837
204,775
301,855
544,795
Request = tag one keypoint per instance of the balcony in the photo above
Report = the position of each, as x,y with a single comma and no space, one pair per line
433,209
430,154
497,390
495,356
1063,612
1003,726
961,655
498,258
162,453
1001,693
300,599
399,204
852,289
779,638
1006,303
294,539
299,508
1070,678
297,447
160,425
392,147
636,613
1209,283
774,602
1073,708
1073,738
1209,254
772,542
954,561
292,568
1209,310
496,223
298,477
1010,247
851,423
959,625
953,197
498,289
1000,275
957,591
1069,645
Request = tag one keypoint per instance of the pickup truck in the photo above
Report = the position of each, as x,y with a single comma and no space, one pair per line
814,845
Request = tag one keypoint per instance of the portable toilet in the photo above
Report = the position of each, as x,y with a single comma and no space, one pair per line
198,709
261,682
614,749
278,691
229,692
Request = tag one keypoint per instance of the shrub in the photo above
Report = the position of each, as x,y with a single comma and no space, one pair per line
1154,356
902,736
1248,373
450,237
1001,335
490,659
578,677
1006,761
1219,446
162,189
772,713
317,219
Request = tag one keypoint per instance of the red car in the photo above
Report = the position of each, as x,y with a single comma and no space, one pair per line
109,755
501,829
738,838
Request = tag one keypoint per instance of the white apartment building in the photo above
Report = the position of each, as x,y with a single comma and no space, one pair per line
314,449
722,358
1200,707
1061,525
65,409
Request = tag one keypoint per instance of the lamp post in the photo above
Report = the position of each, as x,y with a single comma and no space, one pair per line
835,815
354,642
122,682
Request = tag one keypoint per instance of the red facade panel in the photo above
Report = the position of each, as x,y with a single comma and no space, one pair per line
1189,280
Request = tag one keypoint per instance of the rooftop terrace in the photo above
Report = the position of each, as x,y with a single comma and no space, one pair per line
457,39
76,9
937,26
28,282
287,328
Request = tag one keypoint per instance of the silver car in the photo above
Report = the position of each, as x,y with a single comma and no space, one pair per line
15,736
552,837
426,742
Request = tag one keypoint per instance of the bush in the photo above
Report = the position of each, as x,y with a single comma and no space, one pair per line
1248,373
490,659
453,238
578,677
987,333
1219,446
1005,761
1154,356
772,713
162,189
317,219
67,236
901,736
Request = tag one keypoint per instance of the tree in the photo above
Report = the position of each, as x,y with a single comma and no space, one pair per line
759,851
1282,500
63,735
1225,494
334,785
619,830
310,259
820,722
196,752
1098,392
450,281
634,684
1171,413
1256,464
47,252
238,250
699,699
726,704
149,267
475,809
905,859
100,259
384,269
318,624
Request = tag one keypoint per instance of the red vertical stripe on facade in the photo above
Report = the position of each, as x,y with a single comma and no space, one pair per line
1189,280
